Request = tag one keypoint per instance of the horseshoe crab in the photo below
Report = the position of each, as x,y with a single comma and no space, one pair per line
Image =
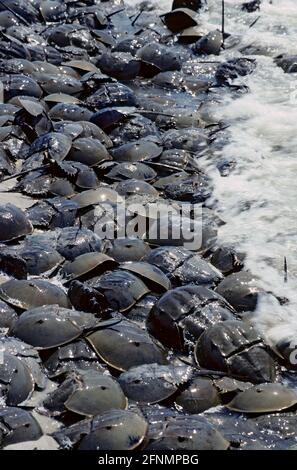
200,395
88,393
20,85
211,43
53,213
115,430
232,69
191,140
12,264
127,188
55,144
40,259
150,274
189,433
72,357
182,314
16,381
87,265
13,223
240,290
251,6
88,151
133,152
227,260
194,5
112,95
134,346
8,316
96,196
120,65
183,267
128,249
120,288
127,170
68,111
131,127
171,229
50,326
70,242
25,294
287,63
179,19
160,56
18,425
236,348
264,398
140,310
152,383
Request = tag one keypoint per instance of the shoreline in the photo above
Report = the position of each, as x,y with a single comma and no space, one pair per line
148,342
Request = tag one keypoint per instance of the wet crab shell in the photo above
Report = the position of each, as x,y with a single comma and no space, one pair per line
179,19
57,145
97,196
18,85
150,274
211,43
132,127
99,394
16,381
128,249
152,383
134,186
50,326
61,98
184,267
87,265
138,151
192,35
29,294
184,313
68,111
53,213
88,151
236,348
52,11
8,316
13,223
12,264
18,426
116,430
189,433
87,299
134,346
110,95
40,259
120,65
264,398
120,288
70,242
227,260
87,393
160,56
200,395
127,170
241,291
72,357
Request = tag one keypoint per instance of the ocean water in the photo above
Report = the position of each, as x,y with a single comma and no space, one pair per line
258,199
